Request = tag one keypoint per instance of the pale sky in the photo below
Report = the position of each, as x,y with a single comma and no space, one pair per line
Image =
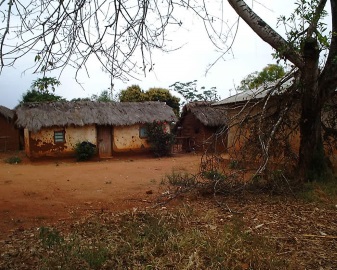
249,54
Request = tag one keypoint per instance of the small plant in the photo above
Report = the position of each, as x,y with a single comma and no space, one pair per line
234,164
214,175
13,160
160,139
84,151
180,179
50,237
95,257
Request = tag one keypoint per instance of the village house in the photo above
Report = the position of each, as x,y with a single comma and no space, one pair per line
198,126
255,113
9,135
52,129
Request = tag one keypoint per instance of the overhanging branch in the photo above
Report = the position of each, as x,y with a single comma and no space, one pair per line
266,33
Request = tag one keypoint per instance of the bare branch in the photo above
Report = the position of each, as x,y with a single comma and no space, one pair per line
266,33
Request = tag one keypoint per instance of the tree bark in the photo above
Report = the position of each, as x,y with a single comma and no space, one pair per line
266,33
312,161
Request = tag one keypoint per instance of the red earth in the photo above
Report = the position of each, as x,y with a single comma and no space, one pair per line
40,193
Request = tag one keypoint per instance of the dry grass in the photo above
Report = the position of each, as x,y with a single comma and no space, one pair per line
180,239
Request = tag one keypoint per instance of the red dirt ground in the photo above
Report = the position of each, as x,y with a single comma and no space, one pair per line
44,192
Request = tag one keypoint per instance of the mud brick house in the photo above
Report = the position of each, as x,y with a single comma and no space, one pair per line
198,126
9,134
53,128
251,111
263,107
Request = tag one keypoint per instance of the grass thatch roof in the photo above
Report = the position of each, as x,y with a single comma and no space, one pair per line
206,114
35,116
7,113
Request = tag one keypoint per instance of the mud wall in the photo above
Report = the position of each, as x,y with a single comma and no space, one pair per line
126,138
9,135
42,143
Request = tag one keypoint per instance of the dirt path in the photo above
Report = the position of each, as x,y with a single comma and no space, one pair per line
41,193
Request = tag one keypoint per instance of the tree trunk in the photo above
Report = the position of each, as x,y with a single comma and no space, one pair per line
312,163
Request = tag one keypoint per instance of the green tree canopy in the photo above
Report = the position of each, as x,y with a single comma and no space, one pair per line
45,84
190,92
40,91
36,96
135,94
132,94
161,94
270,73
104,96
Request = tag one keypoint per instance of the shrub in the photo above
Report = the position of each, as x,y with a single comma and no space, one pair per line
182,179
85,151
160,140
13,160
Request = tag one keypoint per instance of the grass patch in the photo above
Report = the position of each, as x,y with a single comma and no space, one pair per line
179,178
180,239
321,192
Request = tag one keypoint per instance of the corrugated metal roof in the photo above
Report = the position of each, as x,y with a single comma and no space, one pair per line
275,87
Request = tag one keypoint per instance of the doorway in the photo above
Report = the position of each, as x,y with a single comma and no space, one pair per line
104,141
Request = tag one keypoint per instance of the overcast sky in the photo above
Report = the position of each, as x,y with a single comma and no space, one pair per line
249,54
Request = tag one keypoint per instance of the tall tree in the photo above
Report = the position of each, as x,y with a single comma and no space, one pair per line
40,91
161,94
104,96
131,94
190,92
135,94
36,96
303,47
45,84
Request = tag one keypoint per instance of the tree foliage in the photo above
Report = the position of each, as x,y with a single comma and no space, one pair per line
160,139
190,92
45,84
161,94
132,93
40,91
135,94
36,96
104,96
270,73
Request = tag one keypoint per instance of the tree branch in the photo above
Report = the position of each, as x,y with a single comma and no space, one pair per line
266,33
328,79
313,26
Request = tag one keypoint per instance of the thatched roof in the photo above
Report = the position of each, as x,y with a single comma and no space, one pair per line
7,113
35,116
205,113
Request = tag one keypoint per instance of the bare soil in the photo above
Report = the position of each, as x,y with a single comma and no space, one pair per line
41,193
62,192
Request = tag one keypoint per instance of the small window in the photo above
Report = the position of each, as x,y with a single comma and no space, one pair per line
143,132
59,136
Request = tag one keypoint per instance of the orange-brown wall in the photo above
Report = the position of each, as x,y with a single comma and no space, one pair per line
125,139
41,143
9,135
238,133
200,135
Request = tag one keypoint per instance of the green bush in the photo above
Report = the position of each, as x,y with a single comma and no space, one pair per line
13,160
84,151
160,140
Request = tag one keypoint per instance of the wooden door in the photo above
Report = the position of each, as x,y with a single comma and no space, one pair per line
104,141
